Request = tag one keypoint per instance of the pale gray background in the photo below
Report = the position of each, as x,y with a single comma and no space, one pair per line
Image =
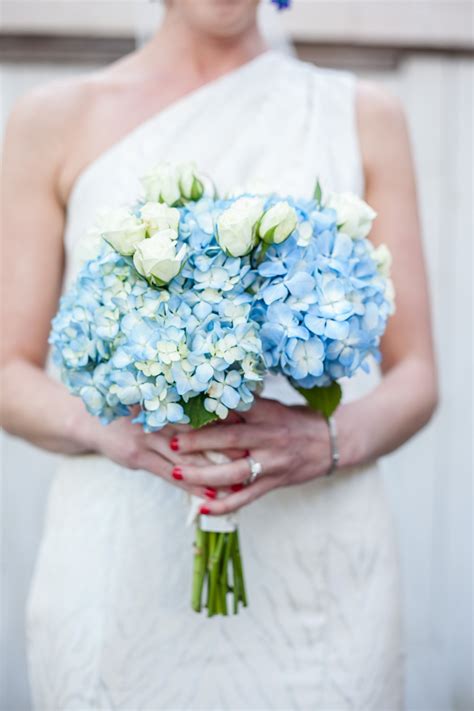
429,480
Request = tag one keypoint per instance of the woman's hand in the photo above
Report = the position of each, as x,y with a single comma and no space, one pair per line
129,446
291,443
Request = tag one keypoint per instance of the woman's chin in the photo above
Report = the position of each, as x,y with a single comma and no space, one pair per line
219,18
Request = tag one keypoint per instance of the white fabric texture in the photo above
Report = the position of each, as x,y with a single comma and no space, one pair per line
109,624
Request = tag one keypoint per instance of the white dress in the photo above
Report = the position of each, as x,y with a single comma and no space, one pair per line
109,624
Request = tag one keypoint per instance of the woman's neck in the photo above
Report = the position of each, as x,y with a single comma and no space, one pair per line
200,55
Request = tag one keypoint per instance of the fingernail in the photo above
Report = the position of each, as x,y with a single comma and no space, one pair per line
237,487
204,510
174,444
177,473
210,493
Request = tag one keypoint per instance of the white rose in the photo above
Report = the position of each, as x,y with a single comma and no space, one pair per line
278,223
305,232
390,294
383,259
161,184
156,258
354,216
237,226
121,229
158,216
190,184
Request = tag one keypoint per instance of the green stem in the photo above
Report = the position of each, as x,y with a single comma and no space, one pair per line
215,569
262,252
225,564
215,553
199,568
211,545
240,572
223,574
235,574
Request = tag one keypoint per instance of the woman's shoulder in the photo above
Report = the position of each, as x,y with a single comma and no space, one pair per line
59,102
329,82
316,77
382,127
50,121
376,104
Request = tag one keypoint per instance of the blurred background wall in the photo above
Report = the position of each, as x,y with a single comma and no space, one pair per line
422,51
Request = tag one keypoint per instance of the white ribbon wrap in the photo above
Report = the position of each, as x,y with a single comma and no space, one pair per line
227,523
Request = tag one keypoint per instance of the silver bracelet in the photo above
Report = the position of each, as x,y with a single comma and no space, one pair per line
334,448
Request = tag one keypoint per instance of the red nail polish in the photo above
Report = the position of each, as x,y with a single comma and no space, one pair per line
210,493
237,487
205,510
177,473
247,453
174,444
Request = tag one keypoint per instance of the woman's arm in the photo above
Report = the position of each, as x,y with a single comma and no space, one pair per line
33,405
407,395
292,443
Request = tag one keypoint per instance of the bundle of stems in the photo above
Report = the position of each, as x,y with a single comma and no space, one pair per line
217,572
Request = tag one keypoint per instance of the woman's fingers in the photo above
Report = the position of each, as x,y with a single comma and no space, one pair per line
205,481
235,501
154,463
159,444
223,437
263,409
158,466
226,475
232,418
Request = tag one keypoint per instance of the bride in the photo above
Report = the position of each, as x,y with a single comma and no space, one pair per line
108,618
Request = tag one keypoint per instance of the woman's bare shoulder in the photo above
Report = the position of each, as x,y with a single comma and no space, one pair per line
47,124
376,104
57,104
381,120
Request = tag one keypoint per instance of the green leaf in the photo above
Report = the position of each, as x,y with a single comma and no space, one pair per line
318,192
324,400
197,413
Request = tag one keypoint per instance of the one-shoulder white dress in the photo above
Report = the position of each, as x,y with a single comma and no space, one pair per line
109,624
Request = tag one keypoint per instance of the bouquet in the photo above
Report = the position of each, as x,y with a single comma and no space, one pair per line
191,299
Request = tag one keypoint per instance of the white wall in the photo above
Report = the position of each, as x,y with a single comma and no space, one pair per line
429,480
412,22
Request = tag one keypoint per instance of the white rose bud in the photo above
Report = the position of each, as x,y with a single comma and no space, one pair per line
161,184
383,259
278,223
237,226
390,294
121,229
158,216
305,233
354,216
156,258
190,184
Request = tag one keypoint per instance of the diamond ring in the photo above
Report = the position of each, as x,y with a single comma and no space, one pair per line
255,469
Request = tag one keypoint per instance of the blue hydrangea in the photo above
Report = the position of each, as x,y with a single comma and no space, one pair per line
313,308
321,302
120,342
